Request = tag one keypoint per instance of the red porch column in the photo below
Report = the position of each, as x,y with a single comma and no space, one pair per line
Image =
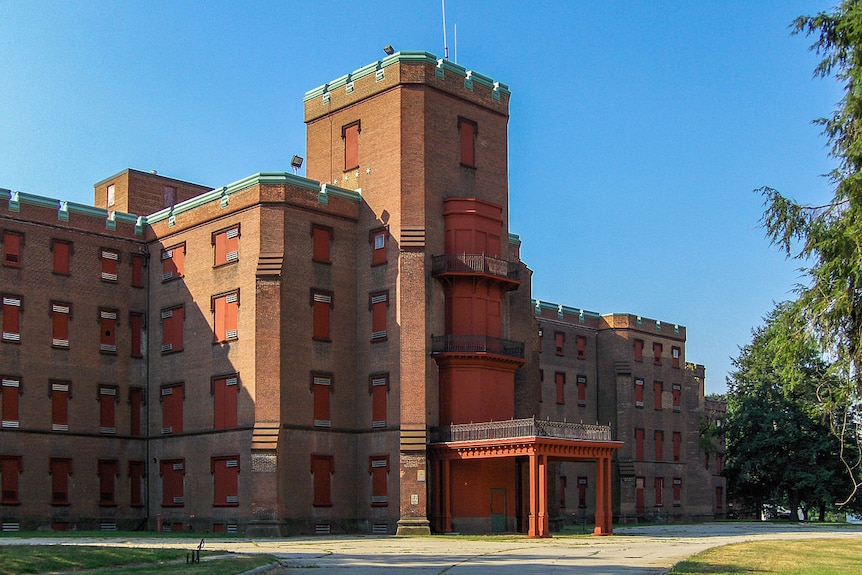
533,530
603,497
446,488
544,531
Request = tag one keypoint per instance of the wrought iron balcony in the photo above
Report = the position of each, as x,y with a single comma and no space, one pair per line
477,344
530,427
475,264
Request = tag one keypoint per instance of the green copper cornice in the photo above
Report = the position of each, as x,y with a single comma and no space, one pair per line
561,309
514,239
65,208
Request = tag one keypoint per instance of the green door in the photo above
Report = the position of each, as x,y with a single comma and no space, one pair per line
498,510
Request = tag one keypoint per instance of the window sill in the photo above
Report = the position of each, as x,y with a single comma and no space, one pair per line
224,264
379,505
324,262
225,504
321,504
582,404
173,505
321,339
471,166
10,503
171,351
106,504
60,504
62,274
15,341
172,279
377,264
221,341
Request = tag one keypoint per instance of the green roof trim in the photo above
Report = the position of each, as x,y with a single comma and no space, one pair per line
68,207
406,56
545,305
515,239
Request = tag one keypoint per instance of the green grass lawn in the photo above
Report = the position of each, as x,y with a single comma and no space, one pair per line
798,557
24,559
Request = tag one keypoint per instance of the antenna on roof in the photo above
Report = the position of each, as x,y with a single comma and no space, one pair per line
445,45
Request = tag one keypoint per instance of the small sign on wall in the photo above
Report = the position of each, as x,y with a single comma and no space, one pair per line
420,475
414,499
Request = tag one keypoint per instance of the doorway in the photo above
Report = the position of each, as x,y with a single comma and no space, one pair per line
498,510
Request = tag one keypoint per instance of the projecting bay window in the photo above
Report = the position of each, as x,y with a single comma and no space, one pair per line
173,262
11,318
321,304
639,393
108,333
226,245
10,467
225,390
60,469
138,263
378,467
9,393
674,356
137,324
225,308
378,239
110,260
137,471
378,387
12,244
108,398
60,314
172,329
321,239
225,472
322,468
468,130
62,251
173,473
582,391
60,392
321,390
677,393
378,303
172,397
108,471
350,135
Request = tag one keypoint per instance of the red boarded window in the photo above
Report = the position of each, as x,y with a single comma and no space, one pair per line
60,405
173,473
582,347
108,471
468,130
378,467
563,484
582,390
322,468
582,492
60,469
225,308
225,471
656,390
107,408
12,242
677,491
378,246
136,399
674,356
321,238
639,393
108,333
677,441
639,350
656,353
659,445
172,329
560,382
62,252
639,495
639,444
659,486
11,388
559,341
138,264
350,135
719,462
677,393
60,314
10,467
225,398
226,244
11,318
378,303
322,303
379,384
136,483
172,397
173,262
136,321
321,388
110,259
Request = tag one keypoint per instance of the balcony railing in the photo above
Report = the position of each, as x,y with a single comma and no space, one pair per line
477,344
530,427
475,263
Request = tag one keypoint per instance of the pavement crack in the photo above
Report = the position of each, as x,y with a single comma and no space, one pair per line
477,556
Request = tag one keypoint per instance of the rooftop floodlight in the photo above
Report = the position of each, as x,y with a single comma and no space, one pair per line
389,50
296,163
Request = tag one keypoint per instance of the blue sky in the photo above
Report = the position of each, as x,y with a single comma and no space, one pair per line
638,130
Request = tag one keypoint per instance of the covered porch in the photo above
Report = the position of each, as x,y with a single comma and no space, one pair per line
538,441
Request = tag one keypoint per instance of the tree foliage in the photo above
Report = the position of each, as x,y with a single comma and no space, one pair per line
827,239
780,450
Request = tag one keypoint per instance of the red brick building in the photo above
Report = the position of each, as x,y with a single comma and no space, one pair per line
352,351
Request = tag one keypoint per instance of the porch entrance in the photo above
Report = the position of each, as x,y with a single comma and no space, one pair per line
498,510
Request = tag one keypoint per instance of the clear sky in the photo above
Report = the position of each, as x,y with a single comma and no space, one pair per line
638,130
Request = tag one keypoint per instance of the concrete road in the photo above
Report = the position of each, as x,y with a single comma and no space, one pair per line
634,550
